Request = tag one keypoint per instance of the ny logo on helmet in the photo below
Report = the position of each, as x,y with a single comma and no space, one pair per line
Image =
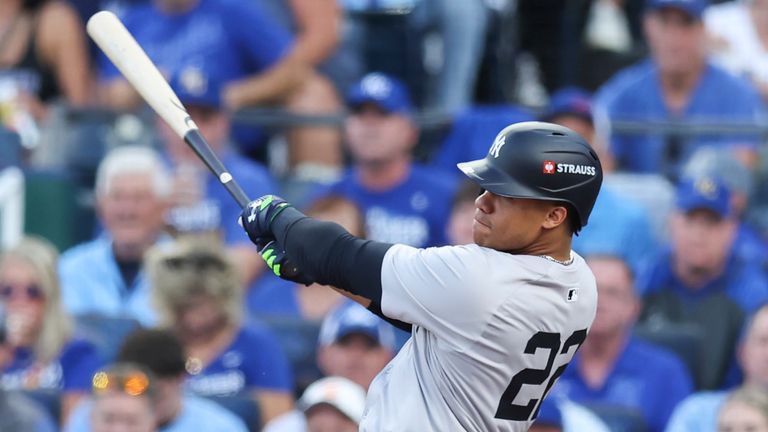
497,145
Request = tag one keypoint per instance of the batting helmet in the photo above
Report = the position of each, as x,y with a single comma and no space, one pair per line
540,161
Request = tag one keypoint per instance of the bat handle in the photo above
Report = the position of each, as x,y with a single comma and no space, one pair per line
203,150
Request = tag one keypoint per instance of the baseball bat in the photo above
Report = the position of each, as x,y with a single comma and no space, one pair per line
130,59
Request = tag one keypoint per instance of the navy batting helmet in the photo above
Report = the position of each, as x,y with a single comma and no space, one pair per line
543,161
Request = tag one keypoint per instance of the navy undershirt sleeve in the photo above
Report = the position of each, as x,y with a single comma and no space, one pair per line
330,255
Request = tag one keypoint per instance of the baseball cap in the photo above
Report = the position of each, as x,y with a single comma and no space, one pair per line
569,101
337,392
708,193
384,91
349,318
195,87
694,8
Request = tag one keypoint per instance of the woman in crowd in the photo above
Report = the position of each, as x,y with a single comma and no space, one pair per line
198,294
45,354
43,53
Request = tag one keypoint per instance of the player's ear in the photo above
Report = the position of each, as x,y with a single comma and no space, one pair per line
556,216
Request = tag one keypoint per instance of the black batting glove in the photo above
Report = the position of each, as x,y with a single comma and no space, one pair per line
258,215
281,266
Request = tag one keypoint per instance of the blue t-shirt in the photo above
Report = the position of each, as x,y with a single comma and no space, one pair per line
644,377
228,39
472,133
91,283
414,212
274,297
635,94
70,372
253,361
742,281
218,210
617,226
197,414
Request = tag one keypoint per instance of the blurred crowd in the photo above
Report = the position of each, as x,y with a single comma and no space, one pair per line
130,299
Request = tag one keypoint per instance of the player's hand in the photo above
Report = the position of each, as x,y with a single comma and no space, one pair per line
281,266
258,215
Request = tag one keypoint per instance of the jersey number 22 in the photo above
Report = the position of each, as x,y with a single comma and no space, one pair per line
550,341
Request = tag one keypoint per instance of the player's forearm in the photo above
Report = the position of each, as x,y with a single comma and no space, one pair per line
331,255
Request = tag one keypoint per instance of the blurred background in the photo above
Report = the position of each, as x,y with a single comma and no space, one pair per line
130,296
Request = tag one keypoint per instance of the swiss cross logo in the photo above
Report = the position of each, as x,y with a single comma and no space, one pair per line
549,167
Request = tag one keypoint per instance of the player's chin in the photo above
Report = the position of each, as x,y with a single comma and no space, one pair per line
480,236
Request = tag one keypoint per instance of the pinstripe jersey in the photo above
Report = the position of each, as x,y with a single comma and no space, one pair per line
492,332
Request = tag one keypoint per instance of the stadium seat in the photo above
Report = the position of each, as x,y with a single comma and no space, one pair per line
107,333
10,148
49,189
685,340
242,406
298,339
618,418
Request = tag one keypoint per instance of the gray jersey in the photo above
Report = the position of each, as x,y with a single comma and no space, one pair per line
492,333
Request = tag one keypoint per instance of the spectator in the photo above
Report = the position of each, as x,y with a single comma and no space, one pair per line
676,83
613,366
317,26
736,39
355,344
16,412
199,201
105,275
744,410
163,356
333,404
470,133
463,29
44,354
199,296
617,225
44,55
698,413
252,59
277,297
403,202
562,415
698,280
739,179
549,419
459,229
124,399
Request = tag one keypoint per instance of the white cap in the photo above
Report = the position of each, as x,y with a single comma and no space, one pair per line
338,392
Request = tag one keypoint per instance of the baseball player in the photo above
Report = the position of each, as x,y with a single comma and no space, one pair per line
495,323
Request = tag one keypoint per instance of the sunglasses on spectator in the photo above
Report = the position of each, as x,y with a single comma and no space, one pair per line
29,292
132,384
198,261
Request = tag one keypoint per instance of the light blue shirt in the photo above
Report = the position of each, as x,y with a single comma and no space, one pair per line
199,415
91,283
697,413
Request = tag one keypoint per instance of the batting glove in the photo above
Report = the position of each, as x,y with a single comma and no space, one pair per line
257,217
281,266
